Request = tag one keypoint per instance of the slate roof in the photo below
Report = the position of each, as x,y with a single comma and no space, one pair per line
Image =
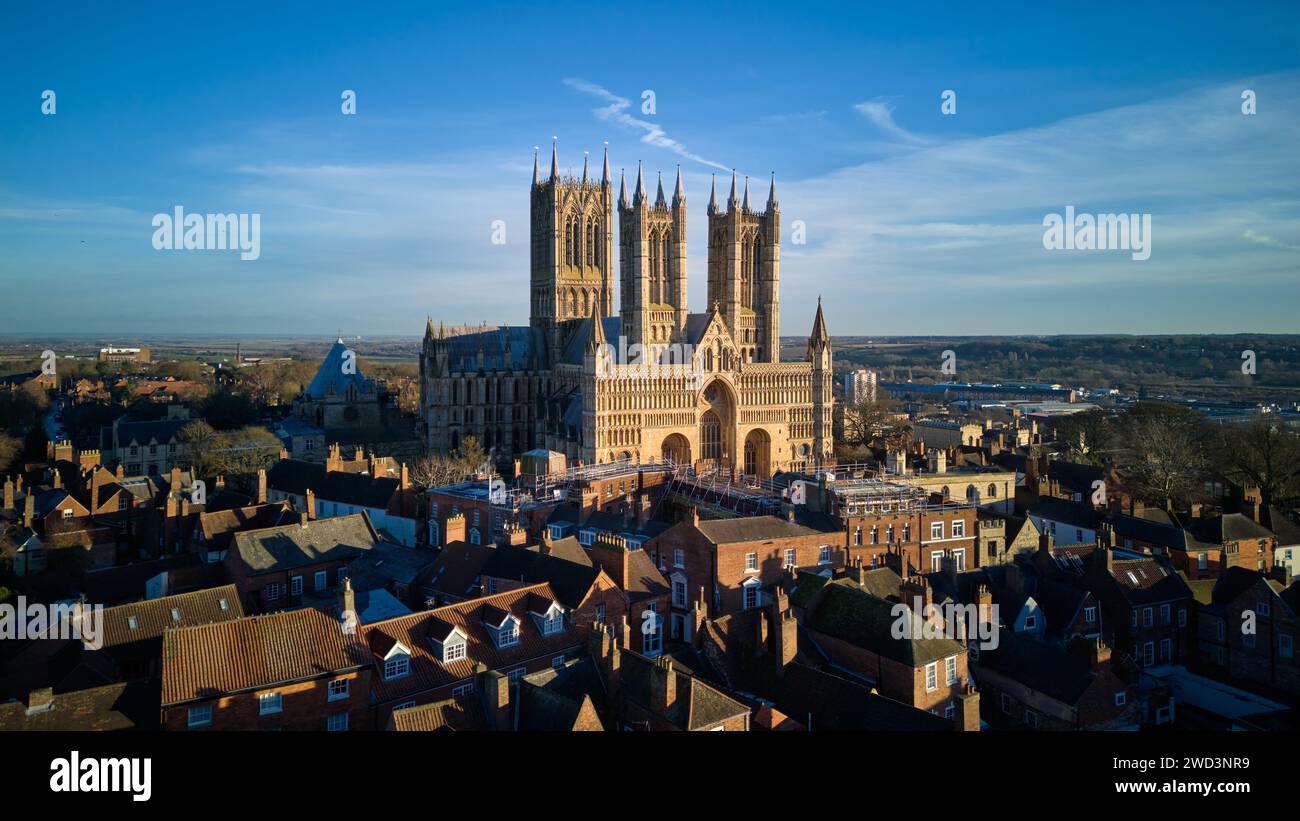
276,549
1147,581
295,476
1040,666
456,570
1229,527
552,699
1075,514
569,580
121,706
751,529
219,527
255,652
463,349
1286,530
697,706
142,433
145,620
836,703
330,378
846,612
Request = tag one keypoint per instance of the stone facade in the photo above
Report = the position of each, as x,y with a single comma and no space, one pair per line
654,381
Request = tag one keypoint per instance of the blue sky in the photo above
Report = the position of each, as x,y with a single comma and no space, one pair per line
917,222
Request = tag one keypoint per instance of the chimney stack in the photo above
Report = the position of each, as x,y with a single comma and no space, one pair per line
347,598
495,688
261,486
175,484
9,494
453,529
663,685
967,714
310,508
29,510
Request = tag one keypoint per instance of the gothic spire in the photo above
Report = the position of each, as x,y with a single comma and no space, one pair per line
731,200
639,196
555,163
819,335
679,195
597,338
428,328
713,195
771,195
622,188
537,177
745,206
659,198
604,177
584,168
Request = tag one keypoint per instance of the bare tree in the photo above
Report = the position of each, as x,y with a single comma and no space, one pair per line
1163,453
1263,453
868,419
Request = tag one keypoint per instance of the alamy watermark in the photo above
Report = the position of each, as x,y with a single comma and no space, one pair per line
947,621
667,360
30,621
1098,232
208,232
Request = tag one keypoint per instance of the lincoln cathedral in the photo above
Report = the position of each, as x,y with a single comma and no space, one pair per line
652,381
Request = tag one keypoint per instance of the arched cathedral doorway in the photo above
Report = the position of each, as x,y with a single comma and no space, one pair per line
758,454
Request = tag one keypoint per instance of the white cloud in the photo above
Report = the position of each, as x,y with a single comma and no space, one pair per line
617,112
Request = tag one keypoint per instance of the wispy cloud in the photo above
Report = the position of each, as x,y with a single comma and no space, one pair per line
880,112
617,112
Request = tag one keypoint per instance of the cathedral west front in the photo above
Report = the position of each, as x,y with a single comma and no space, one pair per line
651,381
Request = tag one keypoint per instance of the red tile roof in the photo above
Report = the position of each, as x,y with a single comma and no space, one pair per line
252,653
427,672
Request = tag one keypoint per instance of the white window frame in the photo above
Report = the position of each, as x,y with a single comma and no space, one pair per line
337,690
824,554
932,677
295,585
268,704
1090,615
508,634
749,588
959,528
679,557
751,562
791,557
463,690
398,666
454,651
321,580
936,530
1121,698
336,723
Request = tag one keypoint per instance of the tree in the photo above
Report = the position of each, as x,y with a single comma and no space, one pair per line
10,447
1163,452
1263,453
470,454
1085,435
436,471
199,439
868,419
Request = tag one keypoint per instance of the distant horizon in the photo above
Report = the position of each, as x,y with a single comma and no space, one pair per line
900,214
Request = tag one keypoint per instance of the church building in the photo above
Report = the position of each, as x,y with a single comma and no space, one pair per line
651,380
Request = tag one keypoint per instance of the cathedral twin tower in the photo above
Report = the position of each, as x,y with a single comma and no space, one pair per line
572,260
552,384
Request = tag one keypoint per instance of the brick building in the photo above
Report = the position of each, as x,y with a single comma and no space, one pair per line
297,670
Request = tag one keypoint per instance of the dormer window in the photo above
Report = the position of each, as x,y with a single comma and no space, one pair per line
132,623
553,622
176,614
397,666
508,633
450,648
453,651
